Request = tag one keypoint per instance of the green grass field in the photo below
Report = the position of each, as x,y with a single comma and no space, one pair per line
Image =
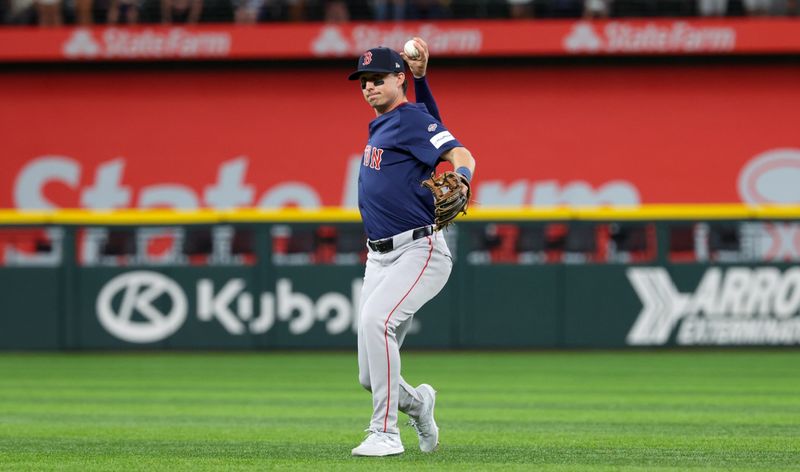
736,410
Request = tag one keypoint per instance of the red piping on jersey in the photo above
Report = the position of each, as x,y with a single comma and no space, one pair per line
386,336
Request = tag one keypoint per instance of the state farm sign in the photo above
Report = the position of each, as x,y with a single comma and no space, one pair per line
145,44
679,37
334,40
461,38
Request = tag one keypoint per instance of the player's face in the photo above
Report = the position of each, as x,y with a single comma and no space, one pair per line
382,91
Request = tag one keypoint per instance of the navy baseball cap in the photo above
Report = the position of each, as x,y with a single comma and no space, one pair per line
382,60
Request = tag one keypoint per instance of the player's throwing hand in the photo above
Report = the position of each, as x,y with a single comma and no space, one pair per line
419,64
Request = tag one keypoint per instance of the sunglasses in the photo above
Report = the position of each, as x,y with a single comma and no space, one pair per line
376,82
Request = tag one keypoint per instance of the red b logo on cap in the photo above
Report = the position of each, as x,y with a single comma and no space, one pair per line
367,58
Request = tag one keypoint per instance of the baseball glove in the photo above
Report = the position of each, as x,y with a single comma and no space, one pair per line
448,197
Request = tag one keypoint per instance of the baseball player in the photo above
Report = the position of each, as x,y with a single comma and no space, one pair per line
408,261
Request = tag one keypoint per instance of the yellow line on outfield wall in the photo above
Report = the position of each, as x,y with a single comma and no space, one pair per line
165,216
252,215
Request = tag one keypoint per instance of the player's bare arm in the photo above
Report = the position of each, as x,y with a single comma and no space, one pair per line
460,157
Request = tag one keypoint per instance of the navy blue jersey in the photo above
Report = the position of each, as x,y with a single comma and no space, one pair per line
403,149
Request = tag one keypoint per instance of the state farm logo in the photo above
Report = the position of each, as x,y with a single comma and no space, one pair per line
582,38
337,41
330,42
112,43
771,177
81,44
627,37
734,306
131,306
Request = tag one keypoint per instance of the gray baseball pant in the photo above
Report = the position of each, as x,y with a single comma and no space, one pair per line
396,285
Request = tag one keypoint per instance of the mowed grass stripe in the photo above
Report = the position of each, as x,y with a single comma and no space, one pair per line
699,410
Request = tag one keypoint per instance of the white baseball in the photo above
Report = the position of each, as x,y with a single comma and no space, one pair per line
411,49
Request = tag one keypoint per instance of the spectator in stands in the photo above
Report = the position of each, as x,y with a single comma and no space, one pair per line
49,12
785,7
87,12
771,7
596,9
564,9
712,7
635,8
247,11
297,10
124,11
518,9
181,11
336,11
83,11
389,9
20,12
427,9
757,7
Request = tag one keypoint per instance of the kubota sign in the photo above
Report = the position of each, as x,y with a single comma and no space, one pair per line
145,307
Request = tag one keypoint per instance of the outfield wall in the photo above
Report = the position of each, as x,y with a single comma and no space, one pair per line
558,278
542,134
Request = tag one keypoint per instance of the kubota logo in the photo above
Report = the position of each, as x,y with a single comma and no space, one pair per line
736,306
136,294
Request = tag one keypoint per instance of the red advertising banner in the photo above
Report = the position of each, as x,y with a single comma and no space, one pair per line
451,38
557,135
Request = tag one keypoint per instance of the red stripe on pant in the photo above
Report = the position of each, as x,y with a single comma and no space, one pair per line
386,336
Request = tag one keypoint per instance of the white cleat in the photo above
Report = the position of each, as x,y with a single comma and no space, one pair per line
425,425
379,444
